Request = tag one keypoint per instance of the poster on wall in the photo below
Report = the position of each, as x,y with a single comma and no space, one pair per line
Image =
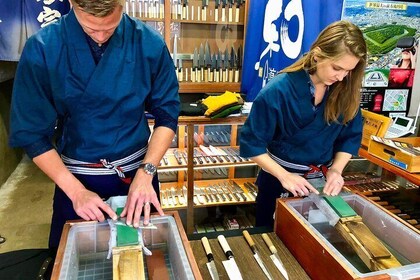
391,31
20,19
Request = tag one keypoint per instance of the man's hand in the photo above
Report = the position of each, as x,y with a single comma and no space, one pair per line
334,182
296,184
90,206
140,196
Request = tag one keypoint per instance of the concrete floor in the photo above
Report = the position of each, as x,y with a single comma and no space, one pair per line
25,208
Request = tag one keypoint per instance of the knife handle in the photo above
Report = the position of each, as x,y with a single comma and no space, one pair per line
269,243
225,246
249,239
207,248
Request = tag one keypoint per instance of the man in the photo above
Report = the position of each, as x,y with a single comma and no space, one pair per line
91,76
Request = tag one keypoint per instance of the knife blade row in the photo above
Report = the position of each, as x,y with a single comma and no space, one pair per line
204,155
229,10
153,9
222,192
208,67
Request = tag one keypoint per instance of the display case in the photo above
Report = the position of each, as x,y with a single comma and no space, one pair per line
203,172
205,38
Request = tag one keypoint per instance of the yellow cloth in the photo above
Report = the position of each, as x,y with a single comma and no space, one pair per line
214,103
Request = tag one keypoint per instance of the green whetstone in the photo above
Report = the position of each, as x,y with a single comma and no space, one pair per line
340,206
126,235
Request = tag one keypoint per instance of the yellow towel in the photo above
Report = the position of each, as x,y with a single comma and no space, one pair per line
214,103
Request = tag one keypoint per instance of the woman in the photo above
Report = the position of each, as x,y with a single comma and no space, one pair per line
306,123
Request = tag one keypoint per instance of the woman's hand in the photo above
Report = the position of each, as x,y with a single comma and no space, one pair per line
335,182
296,184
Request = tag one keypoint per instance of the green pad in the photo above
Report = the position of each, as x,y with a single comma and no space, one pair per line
340,206
126,235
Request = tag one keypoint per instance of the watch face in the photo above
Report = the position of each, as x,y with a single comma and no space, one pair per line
150,168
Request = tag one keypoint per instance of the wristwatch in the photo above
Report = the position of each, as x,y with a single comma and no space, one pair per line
149,168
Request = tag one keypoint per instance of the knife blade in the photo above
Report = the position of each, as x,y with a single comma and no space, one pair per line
254,250
207,61
194,66
239,63
274,256
220,65
122,222
213,68
226,66
210,265
231,64
230,265
201,63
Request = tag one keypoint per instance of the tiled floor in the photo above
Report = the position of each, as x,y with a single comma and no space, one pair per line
25,208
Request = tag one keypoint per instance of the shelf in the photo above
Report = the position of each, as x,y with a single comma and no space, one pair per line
211,87
412,177
208,22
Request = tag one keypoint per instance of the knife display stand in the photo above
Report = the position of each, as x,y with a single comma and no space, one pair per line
205,38
204,170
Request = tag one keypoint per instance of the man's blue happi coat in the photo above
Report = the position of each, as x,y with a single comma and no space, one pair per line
101,107
283,121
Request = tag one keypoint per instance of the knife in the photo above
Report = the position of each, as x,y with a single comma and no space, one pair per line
204,10
194,66
174,55
237,10
231,2
201,63
122,222
216,153
213,68
231,64
177,157
230,265
184,9
238,64
224,10
219,66
207,61
226,66
251,244
180,76
216,10
210,265
274,256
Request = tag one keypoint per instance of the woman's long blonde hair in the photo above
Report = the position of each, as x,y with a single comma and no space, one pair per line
336,40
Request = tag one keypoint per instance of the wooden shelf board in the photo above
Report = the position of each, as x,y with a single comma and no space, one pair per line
211,87
207,22
412,177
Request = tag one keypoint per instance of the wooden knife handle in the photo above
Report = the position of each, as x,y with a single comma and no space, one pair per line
206,245
248,239
225,246
269,243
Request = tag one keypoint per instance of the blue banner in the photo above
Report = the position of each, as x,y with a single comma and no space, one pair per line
19,19
278,33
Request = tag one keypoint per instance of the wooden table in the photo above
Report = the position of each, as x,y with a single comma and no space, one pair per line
246,261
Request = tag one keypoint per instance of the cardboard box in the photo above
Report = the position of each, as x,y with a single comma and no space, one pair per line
396,156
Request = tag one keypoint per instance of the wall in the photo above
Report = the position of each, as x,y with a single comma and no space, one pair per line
9,158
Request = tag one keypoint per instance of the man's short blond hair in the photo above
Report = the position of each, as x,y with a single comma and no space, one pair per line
98,8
